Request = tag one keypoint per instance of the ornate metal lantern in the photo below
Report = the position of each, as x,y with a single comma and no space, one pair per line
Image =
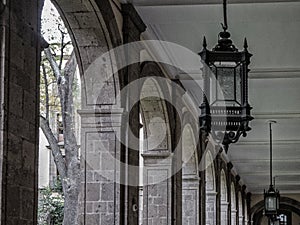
271,197
225,111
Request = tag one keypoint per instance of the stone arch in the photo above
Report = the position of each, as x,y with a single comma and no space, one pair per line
190,177
233,204
94,31
95,27
224,199
210,189
189,153
286,204
154,117
240,208
157,166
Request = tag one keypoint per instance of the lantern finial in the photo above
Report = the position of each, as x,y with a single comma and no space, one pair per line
245,43
204,44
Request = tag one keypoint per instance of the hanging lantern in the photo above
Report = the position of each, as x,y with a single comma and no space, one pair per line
225,111
271,197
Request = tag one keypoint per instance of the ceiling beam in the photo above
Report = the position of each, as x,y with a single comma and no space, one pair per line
274,73
254,74
257,192
267,173
195,2
282,183
267,160
267,142
276,115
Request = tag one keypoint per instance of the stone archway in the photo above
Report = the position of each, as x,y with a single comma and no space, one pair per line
92,36
95,28
156,154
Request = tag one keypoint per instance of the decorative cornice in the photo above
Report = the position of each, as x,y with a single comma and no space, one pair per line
229,166
237,178
157,154
95,112
244,187
128,10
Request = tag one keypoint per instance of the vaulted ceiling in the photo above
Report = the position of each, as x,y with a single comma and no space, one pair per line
273,32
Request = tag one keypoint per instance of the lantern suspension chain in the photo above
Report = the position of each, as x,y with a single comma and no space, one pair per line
271,152
225,25
271,155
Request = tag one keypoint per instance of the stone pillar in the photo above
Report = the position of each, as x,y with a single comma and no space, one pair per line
190,200
248,207
19,112
233,216
157,192
224,213
241,220
211,198
229,192
133,26
100,154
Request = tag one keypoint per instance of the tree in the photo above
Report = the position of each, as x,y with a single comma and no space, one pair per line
58,69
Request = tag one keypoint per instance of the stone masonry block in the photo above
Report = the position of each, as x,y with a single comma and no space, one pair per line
106,192
92,192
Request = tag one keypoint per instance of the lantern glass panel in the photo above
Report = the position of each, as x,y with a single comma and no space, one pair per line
271,203
226,88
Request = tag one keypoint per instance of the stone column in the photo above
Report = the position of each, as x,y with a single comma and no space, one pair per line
229,179
248,207
133,26
241,220
157,192
100,154
224,212
19,112
190,200
233,216
211,198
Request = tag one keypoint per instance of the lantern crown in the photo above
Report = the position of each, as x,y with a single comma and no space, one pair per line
225,43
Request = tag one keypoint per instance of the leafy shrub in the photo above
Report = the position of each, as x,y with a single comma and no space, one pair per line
51,205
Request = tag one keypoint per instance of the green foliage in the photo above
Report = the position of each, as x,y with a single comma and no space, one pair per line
51,205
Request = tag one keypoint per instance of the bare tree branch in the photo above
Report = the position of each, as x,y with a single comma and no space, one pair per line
57,155
62,48
46,91
53,63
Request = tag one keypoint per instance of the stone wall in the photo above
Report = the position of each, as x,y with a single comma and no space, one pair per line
19,72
